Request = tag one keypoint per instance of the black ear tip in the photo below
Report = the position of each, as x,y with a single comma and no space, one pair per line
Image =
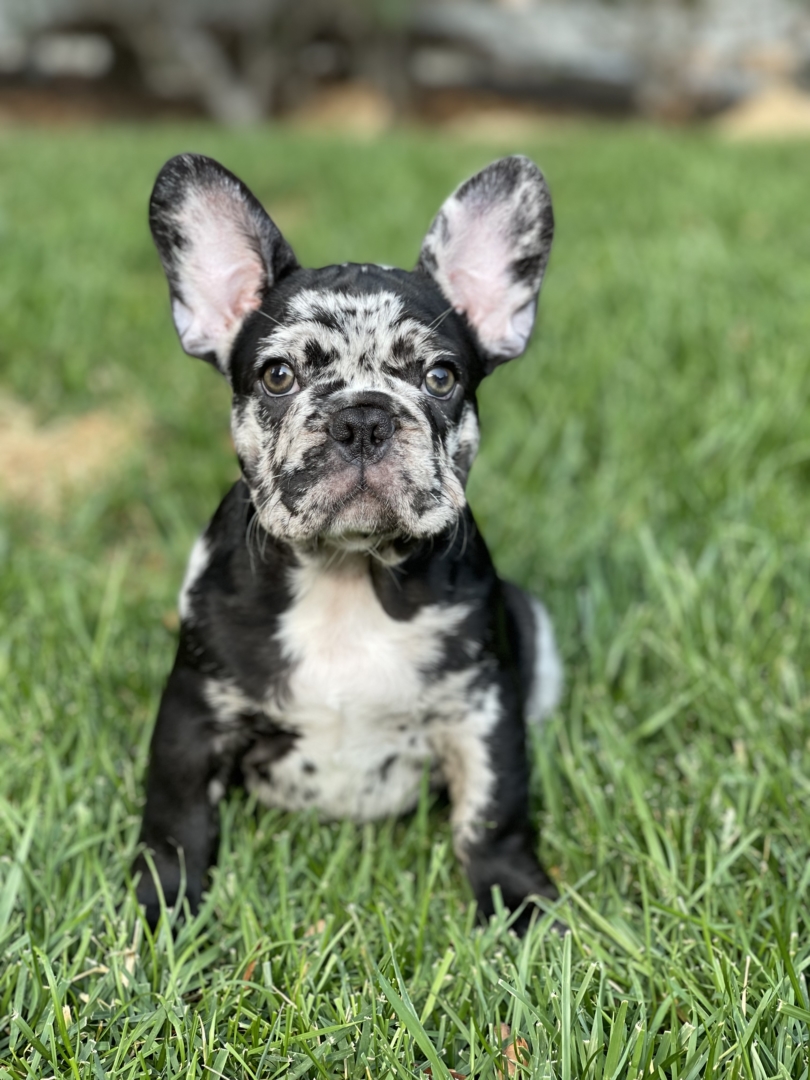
172,178
177,177
525,167
505,177
186,168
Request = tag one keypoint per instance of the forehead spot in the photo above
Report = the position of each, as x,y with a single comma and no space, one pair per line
403,348
342,335
325,388
341,307
318,354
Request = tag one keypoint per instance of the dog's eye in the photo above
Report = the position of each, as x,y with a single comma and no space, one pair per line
439,381
278,379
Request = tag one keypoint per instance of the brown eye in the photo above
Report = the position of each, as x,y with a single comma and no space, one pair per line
278,379
440,381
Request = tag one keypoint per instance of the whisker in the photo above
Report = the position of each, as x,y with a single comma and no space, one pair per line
270,318
452,539
437,322
464,526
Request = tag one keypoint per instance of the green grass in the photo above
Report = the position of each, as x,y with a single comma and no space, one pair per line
646,467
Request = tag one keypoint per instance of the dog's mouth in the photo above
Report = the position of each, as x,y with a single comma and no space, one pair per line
362,514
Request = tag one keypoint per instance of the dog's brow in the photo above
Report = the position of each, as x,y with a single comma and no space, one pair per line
342,333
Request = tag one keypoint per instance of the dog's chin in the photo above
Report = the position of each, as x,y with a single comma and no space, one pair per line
364,522
357,543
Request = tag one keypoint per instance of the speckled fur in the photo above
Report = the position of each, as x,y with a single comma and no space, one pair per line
345,346
343,630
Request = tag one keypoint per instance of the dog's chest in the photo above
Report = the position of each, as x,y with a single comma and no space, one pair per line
363,695
351,661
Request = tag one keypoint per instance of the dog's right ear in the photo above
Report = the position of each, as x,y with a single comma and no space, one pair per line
220,251
487,251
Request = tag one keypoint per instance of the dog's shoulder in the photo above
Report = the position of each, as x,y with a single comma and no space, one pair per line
235,589
233,558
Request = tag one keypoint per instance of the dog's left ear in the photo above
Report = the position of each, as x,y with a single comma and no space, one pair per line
487,251
220,250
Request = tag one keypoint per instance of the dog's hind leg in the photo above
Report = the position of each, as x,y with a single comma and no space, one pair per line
487,766
484,761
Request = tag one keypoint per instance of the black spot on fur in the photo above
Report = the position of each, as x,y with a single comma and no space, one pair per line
443,227
403,348
293,487
321,390
386,766
421,502
527,269
268,747
318,356
406,366
427,261
323,317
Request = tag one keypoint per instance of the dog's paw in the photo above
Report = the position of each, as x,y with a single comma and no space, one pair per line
519,882
172,887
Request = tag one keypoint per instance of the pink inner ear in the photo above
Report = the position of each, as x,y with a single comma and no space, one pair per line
474,274
221,275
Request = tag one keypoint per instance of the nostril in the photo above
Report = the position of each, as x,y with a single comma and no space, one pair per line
382,430
340,429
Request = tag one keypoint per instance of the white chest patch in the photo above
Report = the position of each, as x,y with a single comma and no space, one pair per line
368,719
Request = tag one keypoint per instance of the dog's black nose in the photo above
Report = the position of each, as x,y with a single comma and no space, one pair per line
362,431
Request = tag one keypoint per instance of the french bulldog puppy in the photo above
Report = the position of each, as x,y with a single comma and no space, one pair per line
343,628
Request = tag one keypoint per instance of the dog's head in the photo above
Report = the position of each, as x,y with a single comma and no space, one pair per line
354,412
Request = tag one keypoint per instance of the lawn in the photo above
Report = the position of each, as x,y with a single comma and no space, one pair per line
645,467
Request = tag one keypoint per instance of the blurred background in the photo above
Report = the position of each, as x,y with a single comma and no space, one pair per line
366,65
645,468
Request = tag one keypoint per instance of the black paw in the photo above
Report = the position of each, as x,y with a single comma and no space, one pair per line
519,881
171,885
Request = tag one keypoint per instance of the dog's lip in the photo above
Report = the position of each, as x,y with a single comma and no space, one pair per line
355,534
361,535
358,542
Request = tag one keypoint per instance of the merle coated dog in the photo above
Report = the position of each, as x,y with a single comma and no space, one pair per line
343,629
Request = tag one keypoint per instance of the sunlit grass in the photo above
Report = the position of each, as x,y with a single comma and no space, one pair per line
646,467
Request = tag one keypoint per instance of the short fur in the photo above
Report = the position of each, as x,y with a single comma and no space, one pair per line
343,629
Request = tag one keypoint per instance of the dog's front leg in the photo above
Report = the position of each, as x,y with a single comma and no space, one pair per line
180,821
487,773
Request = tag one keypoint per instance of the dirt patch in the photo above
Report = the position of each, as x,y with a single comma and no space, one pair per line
42,464
781,110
